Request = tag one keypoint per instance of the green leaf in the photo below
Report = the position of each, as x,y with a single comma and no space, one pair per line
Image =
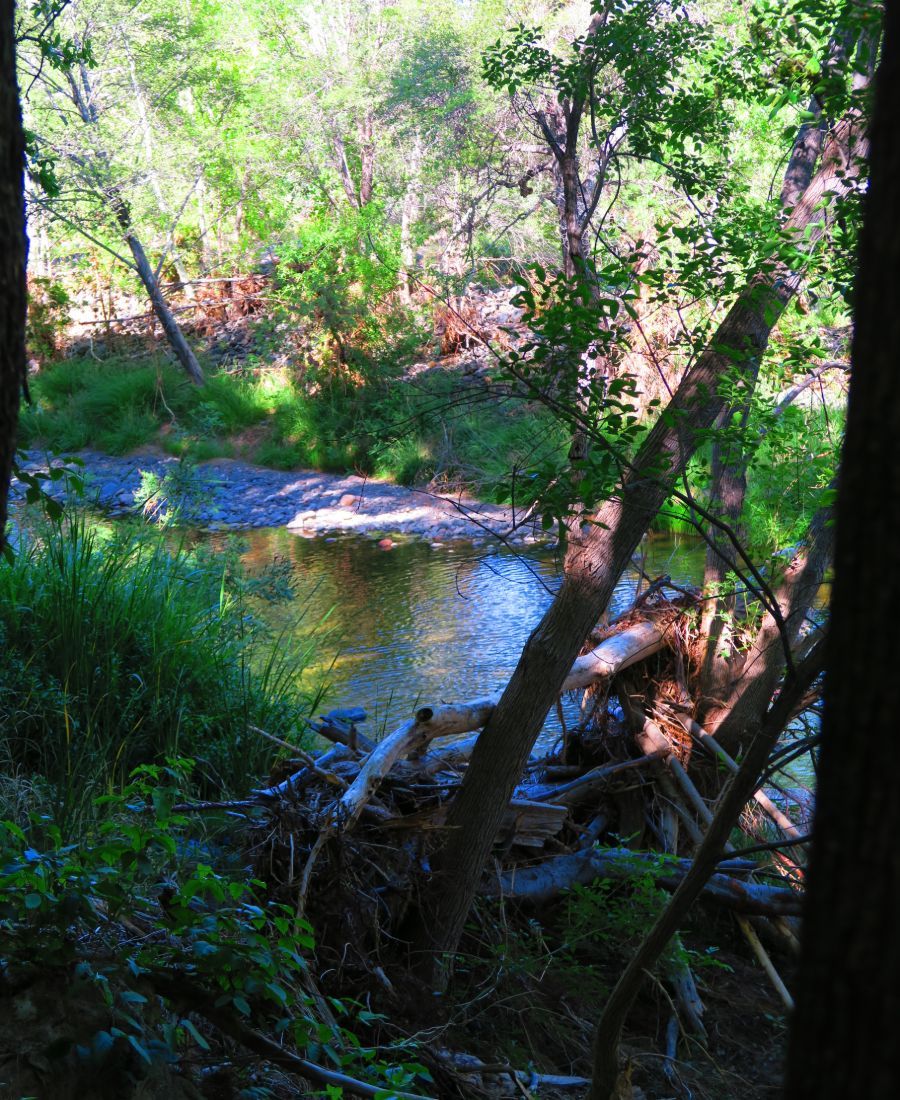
197,1037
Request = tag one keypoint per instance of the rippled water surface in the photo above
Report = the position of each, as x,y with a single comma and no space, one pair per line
419,624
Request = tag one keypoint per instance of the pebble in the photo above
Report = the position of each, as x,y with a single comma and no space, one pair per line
226,494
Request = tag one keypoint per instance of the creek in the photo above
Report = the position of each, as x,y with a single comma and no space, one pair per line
422,624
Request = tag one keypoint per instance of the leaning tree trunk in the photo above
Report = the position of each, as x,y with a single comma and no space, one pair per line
150,282
729,459
604,1082
12,254
843,1040
99,173
743,706
596,559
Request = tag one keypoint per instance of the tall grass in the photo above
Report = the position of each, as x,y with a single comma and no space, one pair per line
413,431
119,650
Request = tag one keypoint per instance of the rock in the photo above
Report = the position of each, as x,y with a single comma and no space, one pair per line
385,544
348,500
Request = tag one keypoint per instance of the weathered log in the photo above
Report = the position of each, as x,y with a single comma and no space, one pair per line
585,785
544,881
636,643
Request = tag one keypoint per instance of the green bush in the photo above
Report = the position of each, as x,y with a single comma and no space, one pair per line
125,951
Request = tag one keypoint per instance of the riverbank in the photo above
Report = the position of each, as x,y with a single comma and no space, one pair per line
228,494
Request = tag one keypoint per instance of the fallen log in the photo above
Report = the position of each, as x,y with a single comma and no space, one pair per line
544,881
635,643
585,785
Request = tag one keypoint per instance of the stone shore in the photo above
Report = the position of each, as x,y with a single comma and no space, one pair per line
226,494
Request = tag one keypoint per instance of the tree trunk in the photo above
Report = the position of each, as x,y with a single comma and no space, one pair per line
744,704
12,254
843,1040
706,861
596,559
100,175
408,218
151,284
727,490
729,461
366,159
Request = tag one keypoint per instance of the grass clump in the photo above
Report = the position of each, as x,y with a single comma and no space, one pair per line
120,650
434,427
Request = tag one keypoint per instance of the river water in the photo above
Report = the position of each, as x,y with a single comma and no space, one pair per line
418,624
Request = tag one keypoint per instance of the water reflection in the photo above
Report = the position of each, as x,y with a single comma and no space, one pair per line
419,624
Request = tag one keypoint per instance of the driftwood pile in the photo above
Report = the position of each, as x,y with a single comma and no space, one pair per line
346,835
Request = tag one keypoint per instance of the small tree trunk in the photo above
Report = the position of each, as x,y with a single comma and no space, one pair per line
12,254
737,794
366,159
147,276
174,335
727,490
729,462
343,169
744,704
408,218
99,172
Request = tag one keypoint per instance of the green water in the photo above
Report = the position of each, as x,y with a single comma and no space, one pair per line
417,624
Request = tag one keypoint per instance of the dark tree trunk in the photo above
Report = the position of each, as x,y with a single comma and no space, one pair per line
744,704
844,1033
727,490
12,254
732,801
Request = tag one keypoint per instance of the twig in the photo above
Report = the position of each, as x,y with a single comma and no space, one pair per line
178,988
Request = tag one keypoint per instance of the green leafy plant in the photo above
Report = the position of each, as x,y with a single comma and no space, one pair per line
154,951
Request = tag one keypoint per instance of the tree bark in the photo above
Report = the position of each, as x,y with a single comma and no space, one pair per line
596,559
100,175
729,460
408,217
741,709
12,254
366,158
843,1040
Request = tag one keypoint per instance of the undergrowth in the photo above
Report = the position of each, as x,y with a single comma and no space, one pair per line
121,648
130,961
434,428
